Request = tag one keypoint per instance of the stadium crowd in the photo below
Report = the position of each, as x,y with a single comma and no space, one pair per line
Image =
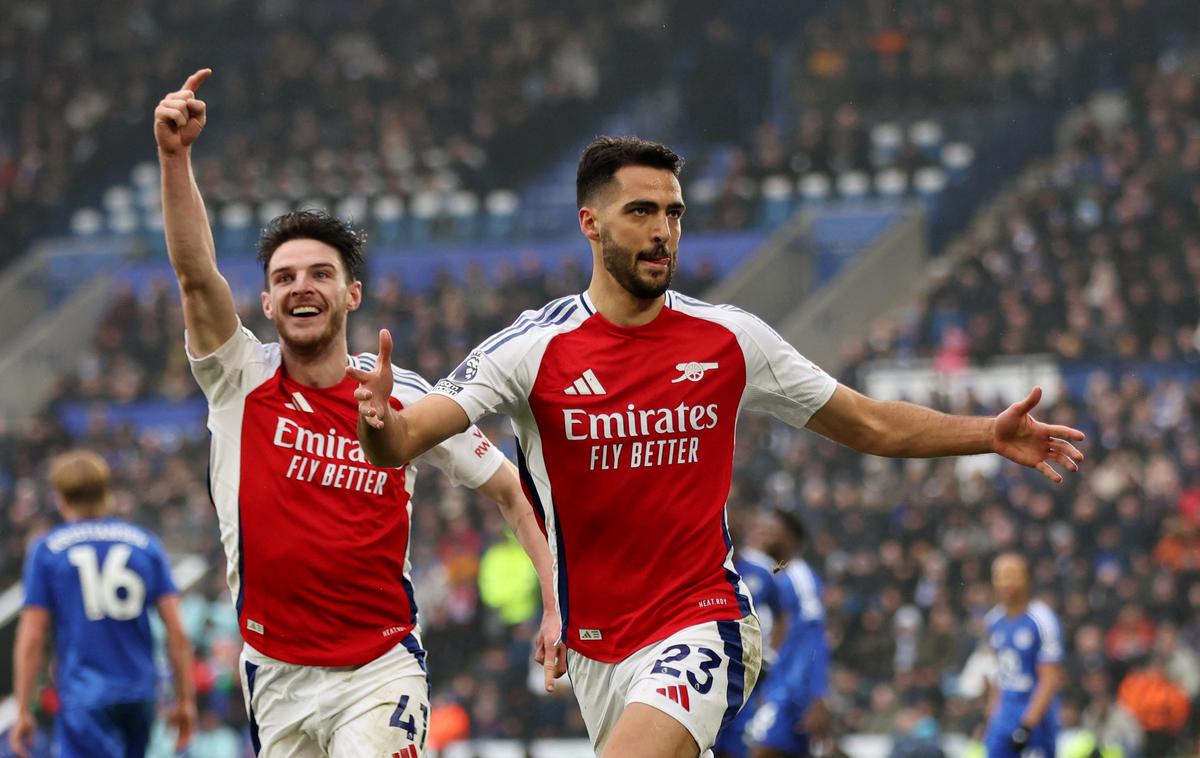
315,98
326,99
1097,254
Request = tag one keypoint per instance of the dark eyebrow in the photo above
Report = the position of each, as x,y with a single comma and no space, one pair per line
322,264
651,205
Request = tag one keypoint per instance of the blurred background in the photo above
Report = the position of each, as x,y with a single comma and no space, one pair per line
941,200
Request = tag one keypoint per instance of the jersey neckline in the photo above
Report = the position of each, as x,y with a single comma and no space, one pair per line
627,331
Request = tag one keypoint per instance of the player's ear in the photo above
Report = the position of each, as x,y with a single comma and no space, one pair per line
266,305
354,296
589,223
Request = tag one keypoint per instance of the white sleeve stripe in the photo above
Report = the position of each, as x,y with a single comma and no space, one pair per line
545,322
547,313
1046,625
411,378
399,375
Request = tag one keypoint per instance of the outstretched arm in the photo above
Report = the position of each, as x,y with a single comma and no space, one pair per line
504,487
391,438
903,430
209,314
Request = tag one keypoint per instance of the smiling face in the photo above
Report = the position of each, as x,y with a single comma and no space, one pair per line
308,296
637,221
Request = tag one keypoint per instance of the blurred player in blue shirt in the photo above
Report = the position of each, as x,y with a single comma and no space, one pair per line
94,577
1026,639
792,716
757,570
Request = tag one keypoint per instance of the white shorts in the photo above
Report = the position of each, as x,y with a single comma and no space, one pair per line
380,708
700,676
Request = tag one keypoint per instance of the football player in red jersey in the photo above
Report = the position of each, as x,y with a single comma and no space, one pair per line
624,399
316,537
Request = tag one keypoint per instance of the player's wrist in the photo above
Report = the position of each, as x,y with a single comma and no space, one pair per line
180,154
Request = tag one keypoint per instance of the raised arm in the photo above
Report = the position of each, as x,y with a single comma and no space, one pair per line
903,430
504,487
392,438
209,314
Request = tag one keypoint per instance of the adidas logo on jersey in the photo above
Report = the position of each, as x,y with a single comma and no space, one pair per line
300,404
408,752
587,384
678,693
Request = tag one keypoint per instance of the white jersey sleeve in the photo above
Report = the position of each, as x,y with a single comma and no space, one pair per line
499,374
1050,647
469,459
779,380
234,369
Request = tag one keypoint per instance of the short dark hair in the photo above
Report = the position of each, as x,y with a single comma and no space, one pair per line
601,160
314,225
793,524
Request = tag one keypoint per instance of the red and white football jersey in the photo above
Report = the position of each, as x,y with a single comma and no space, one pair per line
316,537
626,440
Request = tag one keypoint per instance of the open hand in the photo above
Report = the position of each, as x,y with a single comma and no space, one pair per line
1019,437
375,387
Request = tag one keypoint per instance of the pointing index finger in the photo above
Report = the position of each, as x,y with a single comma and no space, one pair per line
385,349
195,80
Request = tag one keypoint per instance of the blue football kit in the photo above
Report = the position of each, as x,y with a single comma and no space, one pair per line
97,579
1021,643
801,671
757,571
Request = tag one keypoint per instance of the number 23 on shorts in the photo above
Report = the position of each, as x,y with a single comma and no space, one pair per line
677,653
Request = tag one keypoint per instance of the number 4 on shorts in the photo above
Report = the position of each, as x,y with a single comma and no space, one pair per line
409,725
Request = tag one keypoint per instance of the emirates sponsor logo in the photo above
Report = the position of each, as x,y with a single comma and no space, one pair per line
641,437
638,422
291,436
328,459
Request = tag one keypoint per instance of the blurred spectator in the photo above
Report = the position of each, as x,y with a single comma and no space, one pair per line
916,735
1180,663
1110,721
1160,706
507,582
1179,548
1131,637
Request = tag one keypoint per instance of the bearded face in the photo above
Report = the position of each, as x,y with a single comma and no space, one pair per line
308,297
311,335
645,274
